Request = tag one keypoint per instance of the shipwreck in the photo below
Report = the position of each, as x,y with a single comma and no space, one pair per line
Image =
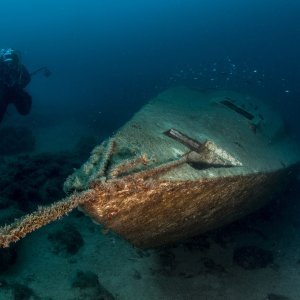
187,162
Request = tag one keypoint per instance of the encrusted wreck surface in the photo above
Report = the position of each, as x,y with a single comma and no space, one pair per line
153,213
187,162
184,164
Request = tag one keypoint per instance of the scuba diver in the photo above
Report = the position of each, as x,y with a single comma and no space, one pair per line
14,77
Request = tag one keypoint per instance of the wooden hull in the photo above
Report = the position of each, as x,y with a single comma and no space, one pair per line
154,213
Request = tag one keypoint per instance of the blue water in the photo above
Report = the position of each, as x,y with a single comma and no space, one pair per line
107,59
111,56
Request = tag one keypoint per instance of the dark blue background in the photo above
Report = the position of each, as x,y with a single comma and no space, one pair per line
108,57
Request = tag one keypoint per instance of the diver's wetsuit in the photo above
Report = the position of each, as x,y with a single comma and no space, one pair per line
15,93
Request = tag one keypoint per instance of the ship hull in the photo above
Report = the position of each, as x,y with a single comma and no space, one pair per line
154,213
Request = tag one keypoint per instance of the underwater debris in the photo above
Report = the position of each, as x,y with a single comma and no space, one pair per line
129,165
94,169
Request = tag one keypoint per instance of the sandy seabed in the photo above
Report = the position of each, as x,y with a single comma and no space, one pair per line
94,264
